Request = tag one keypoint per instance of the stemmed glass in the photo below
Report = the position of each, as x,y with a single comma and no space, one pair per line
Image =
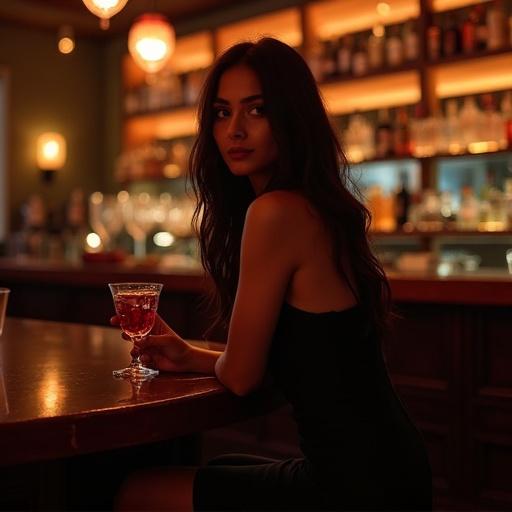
136,305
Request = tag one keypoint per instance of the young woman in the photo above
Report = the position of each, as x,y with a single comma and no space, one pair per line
307,303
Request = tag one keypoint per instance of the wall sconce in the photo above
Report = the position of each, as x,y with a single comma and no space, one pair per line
51,154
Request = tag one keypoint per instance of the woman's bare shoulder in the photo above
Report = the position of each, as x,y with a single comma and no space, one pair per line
283,205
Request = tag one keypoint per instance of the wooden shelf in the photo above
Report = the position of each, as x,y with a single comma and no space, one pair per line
330,19
181,122
449,5
438,233
369,93
466,76
284,25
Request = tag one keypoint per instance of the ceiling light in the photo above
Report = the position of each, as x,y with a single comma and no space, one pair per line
104,9
151,41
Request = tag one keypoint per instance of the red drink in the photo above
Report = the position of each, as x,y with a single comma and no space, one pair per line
136,311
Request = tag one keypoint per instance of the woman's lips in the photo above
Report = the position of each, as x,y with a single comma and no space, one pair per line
239,154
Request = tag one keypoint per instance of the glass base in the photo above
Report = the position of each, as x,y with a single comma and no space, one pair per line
136,371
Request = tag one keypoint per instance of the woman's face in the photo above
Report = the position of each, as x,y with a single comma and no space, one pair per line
241,128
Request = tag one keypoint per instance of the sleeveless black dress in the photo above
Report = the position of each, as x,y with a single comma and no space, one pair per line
361,451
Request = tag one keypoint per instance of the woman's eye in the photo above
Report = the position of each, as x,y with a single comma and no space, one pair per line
221,113
257,110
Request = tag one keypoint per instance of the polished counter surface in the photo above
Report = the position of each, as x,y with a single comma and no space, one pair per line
58,397
486,287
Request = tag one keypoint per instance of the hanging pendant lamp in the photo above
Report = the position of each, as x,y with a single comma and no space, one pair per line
104,9
151,41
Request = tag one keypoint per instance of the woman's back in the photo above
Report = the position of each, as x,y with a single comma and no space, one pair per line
362,448
316,284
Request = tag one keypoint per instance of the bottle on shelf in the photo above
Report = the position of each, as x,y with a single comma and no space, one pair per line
376,50
496,25
468,40
506,109
411,41
493,128
360,57
434,37
383,135
359,139
482,31
452,140
314,58
469,210
344,54
401,135
402,202
451,38
394,48
329,60
471,121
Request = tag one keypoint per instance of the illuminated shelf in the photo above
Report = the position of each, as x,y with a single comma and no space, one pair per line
370,93
473,75
331,19
179,122
284,25
448,5
438,233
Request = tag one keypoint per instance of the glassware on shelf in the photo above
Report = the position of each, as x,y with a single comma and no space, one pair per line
469,210
359,139
429,216
139,218
452,140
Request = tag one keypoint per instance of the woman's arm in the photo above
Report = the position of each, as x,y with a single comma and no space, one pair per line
269,257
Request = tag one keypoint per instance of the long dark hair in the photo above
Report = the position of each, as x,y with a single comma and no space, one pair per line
310,160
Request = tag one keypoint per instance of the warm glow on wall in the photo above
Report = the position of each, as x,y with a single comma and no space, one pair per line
104,9
51,151
151,41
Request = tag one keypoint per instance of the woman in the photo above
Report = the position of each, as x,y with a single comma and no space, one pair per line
285,243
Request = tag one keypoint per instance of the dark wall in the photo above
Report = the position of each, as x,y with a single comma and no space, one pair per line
49,91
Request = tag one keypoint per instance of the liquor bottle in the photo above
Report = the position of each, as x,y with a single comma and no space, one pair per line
329,60
344,56
451,38
394,48
434,40
469,211
482,31
401,138
314,58
402,201
383,135
411,41
376,51
360,58
469,33
452,129
470,121
506,109
493,126
496,23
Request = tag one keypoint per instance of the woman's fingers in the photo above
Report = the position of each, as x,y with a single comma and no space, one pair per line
156,340
114,320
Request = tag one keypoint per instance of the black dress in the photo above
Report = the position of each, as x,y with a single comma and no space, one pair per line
361,451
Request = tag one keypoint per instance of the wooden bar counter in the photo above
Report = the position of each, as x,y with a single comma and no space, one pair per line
450,359
58,397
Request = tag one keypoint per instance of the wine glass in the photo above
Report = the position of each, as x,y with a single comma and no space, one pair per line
136,305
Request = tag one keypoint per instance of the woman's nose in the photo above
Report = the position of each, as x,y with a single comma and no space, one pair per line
236,128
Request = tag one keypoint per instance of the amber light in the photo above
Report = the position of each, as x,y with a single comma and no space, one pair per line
151,41
104,9
51,153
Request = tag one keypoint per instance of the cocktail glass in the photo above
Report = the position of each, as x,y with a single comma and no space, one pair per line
136,305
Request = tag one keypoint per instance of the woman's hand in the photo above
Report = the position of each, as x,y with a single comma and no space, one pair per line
168,352
162,348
